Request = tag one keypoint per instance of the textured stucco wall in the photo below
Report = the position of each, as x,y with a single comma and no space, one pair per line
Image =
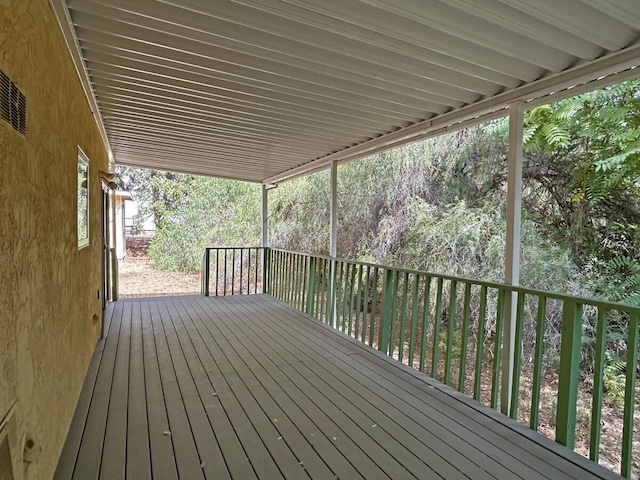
48,288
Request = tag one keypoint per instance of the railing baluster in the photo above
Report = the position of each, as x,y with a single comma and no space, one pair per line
283,276
263,266
217,270
629,395
302,283
287,281
436,330
283,271
352,297
466,317
311,286
295,266
322,298
414,320
233,269
495,380
374,306
249,269
339,294
290,262
394,312
569,372
224,290
387,292
365,306
276,274
241,274
358,301
207,261
331,294
403,316
598,380
482,316
345,297
537,362
517,356
296,280
426,307
453,291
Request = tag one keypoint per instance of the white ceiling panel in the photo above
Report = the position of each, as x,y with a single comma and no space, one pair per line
262,90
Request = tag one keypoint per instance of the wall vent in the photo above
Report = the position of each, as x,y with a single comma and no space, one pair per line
13,105
9,451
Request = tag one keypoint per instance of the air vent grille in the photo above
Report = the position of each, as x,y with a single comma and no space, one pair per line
13,105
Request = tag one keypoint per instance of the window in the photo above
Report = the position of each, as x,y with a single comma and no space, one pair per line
83,199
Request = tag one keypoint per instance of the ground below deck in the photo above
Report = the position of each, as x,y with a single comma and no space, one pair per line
246,387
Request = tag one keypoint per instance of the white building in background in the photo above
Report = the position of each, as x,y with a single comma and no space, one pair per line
120,198
146,228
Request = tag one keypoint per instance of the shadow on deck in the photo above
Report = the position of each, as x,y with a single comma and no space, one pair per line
247,387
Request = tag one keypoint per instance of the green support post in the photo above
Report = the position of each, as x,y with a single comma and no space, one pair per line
569,373
387,300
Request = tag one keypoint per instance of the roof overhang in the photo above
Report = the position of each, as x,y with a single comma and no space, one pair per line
266,90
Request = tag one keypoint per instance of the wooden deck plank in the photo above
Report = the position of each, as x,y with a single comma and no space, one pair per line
87,465
254,428
386,431
302,417
67,461
361,450
290,435
163,465
113,463
210,387
186,454
138,464
246,387
205,439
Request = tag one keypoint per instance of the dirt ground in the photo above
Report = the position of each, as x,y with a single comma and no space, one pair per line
139,279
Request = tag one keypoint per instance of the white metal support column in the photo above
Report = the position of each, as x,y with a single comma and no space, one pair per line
333,237
512,251
265,214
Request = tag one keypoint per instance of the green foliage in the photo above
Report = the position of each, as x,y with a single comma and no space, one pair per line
299,214
191,212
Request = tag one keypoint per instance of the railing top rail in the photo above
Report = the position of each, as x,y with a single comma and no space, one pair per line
234,248
609,305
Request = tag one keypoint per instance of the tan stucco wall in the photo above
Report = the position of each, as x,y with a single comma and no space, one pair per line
48,288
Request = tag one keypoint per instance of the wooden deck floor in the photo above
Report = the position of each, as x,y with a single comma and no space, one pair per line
246,387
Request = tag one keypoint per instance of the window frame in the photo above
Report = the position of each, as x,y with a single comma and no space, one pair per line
82,191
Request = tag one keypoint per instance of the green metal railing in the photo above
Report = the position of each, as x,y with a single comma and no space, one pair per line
232,270
452,328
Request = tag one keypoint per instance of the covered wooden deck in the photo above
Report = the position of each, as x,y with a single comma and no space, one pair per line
247,387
